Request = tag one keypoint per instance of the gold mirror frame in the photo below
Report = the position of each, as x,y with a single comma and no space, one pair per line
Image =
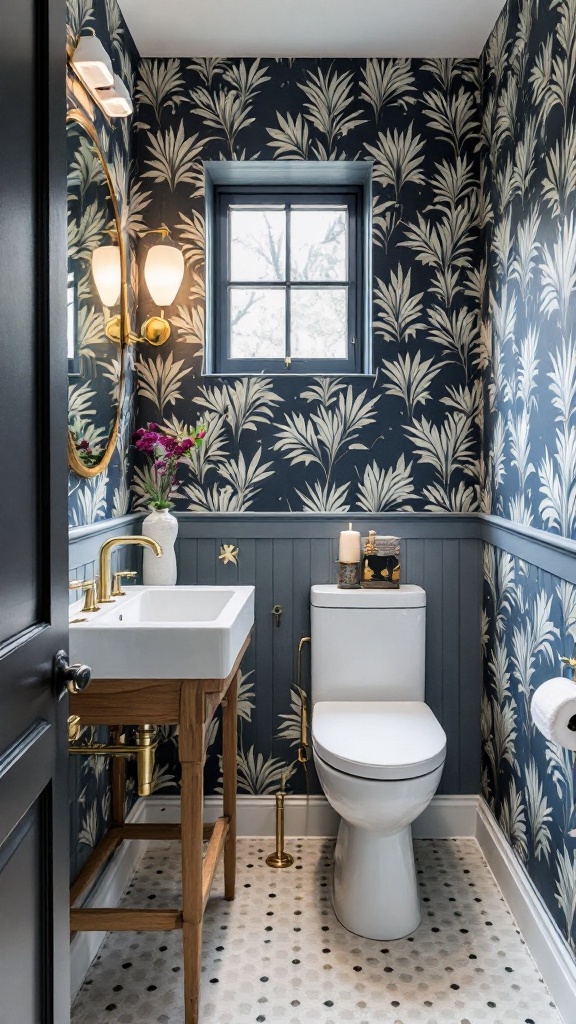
74,462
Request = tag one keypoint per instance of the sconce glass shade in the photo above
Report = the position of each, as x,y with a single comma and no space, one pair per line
92,63
163,273
107,274
115,101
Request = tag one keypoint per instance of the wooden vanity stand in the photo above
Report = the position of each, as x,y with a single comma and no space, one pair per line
191,704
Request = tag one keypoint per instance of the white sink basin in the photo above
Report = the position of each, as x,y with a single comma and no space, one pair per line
165,633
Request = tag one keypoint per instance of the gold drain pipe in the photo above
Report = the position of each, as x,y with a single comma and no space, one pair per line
143,749
279,858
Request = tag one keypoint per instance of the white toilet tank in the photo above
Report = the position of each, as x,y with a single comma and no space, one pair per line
368,644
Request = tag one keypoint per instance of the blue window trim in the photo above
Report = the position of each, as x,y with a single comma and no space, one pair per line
228,182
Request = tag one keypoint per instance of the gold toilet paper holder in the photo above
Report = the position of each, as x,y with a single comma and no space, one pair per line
571,663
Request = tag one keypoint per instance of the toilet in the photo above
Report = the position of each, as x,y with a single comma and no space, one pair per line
379,750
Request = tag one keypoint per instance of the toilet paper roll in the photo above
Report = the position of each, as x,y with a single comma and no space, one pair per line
554,711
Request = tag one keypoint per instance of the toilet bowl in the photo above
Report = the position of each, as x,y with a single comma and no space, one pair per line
379,750
374,886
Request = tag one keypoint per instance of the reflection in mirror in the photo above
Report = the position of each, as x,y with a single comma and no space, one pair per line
96,320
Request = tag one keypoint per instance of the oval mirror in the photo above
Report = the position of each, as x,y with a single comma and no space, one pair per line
97,303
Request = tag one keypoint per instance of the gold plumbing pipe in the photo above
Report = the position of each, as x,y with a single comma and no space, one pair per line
304,744
281,859
143,749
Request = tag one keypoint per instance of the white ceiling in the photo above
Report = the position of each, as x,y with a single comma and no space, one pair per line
311,28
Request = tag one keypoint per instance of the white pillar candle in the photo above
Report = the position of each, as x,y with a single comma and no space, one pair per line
349,550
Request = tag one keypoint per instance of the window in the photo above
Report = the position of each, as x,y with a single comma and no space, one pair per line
288,270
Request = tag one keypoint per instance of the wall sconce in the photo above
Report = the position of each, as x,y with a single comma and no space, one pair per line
94,69
107,275
92,64
163,273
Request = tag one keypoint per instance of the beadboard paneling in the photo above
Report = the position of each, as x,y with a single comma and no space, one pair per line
282,555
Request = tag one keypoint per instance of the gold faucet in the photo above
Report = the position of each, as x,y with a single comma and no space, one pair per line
104,594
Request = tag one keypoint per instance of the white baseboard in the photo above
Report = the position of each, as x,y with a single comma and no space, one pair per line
543,938
446,817
107,892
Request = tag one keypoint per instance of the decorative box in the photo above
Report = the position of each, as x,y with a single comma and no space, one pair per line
380,563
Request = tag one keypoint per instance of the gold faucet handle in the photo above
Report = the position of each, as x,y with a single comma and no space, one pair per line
89,588
116,584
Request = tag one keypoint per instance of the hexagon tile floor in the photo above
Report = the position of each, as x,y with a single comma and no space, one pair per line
278,954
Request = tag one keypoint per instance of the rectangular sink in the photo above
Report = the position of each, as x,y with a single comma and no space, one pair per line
165,633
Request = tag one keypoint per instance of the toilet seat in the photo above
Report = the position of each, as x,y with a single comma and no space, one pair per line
378,739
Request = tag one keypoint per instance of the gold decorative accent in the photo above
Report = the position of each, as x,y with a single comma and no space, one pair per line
228,553
368,572
74,728
104,594
122,331
370,548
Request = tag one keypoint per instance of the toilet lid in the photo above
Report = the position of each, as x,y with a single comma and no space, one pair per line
378,739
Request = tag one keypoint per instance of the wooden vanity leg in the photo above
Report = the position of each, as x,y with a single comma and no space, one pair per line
191,742
229,779
118,773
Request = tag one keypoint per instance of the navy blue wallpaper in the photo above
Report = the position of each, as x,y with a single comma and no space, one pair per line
409,438
529,201
108,494
529,782
529,301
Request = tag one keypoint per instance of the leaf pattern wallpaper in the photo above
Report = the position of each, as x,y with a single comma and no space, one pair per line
529,620
528,212
529,300
473,402
406,439
107,494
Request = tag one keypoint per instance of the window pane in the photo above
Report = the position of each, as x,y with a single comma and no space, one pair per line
257,244
319,323
319,244
257,323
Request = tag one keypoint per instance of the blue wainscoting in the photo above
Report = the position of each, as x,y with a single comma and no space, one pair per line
282,555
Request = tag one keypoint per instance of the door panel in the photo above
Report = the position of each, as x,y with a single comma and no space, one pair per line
34,932
25,900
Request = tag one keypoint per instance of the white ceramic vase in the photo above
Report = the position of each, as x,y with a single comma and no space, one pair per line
161,571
